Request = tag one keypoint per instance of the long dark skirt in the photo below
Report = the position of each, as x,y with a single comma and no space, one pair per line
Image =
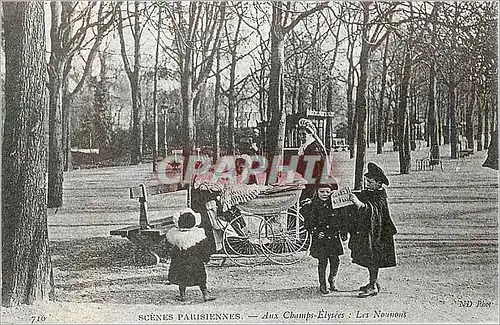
367,255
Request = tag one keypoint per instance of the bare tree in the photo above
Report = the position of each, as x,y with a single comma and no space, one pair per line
231,91
26,264
432,112
66,43
217,93
451,53
380,108
197,27
56,64
351,30
370,40
133,74
155,90
403,121
282,23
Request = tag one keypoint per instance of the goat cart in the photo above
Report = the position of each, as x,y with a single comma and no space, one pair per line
252,224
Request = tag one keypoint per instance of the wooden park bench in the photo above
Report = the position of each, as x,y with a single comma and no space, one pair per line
464,149
428,163
147,237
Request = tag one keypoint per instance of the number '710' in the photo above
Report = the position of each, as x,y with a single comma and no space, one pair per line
38,319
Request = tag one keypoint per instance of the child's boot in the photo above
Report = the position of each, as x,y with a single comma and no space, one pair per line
182,293
331,280
372,289
322,280
206,295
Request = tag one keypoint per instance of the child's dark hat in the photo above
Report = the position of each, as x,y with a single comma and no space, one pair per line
376,173
329,182
187,219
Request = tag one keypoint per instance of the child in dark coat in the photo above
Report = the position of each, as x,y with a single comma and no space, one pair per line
190,251
327,227
372,234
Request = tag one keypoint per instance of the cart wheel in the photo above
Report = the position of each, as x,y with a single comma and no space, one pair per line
285,239
242,240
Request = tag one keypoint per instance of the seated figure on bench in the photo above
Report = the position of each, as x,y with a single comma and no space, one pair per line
212,198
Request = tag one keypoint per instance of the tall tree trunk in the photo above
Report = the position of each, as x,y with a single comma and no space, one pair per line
432,118
351,118
66,19
295,92
314,96
137,125
26,265
231,103
262,97
452,89
447,117
264,111
138,128
453,123
217,94
101,120
361,99
351,115
412,116
136,135
480,108
494,115
486,121
67,101
164,138
67,22
55,172
469,111
187,109
155,99
276,132
380,111
329,124
397,94
440,117
369,117
388,124
276,135
403,121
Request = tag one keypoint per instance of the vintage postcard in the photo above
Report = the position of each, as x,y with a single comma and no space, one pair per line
249,162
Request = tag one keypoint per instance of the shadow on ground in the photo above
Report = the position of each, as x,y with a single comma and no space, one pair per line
97,252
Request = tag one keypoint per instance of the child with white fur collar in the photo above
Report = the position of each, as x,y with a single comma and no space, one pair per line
190,251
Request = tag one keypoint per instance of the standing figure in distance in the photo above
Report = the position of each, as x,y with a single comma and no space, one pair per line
190,251
257,143
327,228
372,233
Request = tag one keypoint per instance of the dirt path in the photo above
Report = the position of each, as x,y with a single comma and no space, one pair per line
447,249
